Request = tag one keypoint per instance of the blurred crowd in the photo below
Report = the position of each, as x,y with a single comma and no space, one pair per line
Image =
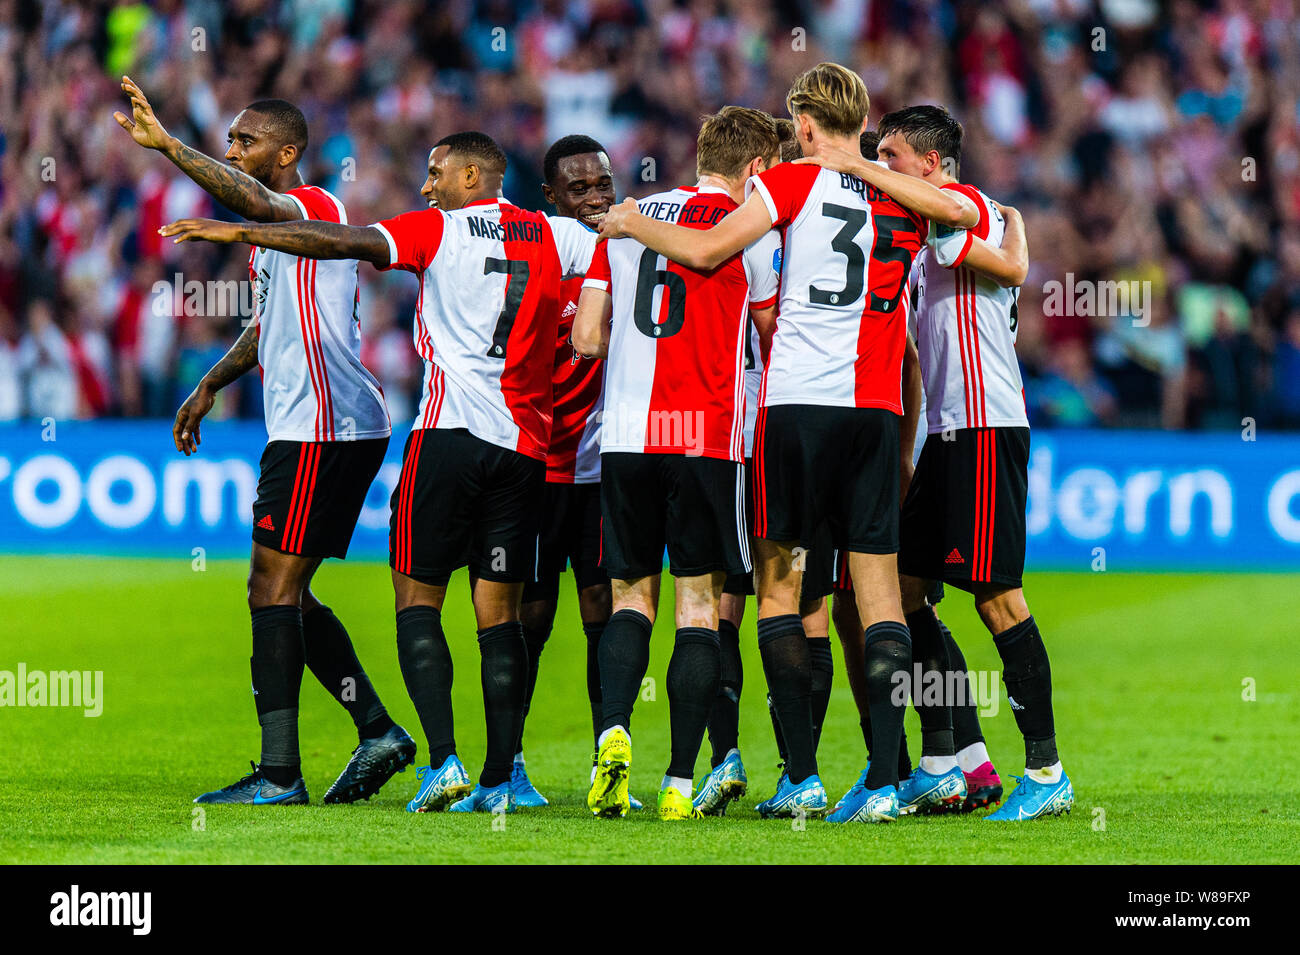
1149,143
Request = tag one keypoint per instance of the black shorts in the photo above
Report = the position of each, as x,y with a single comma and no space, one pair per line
464,502
818,567
694,506
310,494
743,584
569,537
816,465
818,559
963,521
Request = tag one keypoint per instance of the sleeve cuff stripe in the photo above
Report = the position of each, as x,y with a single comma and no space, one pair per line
392,246
767,197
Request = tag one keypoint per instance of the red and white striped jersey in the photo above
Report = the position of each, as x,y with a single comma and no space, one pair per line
842,327
574,453
674,378
966,331
485,317
309,340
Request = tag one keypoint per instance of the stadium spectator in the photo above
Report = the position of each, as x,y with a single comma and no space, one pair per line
1138,138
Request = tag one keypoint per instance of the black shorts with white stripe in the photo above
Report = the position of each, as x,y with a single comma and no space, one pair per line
570,537
693,506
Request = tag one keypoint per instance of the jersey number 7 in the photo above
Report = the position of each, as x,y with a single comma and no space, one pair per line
516,282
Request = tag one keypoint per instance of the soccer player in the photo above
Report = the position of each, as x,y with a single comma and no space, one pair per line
579,182
328,429
830,406
964,517
672,444
727,779
473,469
937,785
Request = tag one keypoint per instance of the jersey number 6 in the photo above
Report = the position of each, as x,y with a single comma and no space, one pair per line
648,276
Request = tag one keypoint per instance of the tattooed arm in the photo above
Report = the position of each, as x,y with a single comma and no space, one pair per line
311,238
237,191
241,358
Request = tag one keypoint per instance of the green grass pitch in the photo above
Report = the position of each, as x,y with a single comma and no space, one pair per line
1170,763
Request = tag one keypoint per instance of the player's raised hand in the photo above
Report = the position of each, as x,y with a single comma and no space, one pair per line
611,227
142,124
833,157
209,230
185,431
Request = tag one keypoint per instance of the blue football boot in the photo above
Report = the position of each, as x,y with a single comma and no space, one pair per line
500,798
440,787
1034,800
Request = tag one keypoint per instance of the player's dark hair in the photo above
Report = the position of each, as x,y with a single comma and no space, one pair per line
563,148
925,128
868,142
287,120
789,138
477,146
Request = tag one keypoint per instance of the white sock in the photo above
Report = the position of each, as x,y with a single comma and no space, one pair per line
730,751
601,742
683,786
938,765
973,757
519,757
1048,774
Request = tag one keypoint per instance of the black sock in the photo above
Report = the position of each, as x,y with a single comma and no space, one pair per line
931,653
904,757
593,632
1028,676
965,713
427,671
534,641
693,673
776,731
823,670
724,718
624,658
504,670
333,661
277,665
788,667
889,653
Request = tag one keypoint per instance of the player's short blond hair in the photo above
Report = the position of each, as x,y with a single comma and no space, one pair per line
832,96
732,138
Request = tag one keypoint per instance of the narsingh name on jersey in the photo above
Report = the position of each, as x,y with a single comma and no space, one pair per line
517,230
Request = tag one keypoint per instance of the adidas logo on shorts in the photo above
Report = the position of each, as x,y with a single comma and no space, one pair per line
954,557
265,523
